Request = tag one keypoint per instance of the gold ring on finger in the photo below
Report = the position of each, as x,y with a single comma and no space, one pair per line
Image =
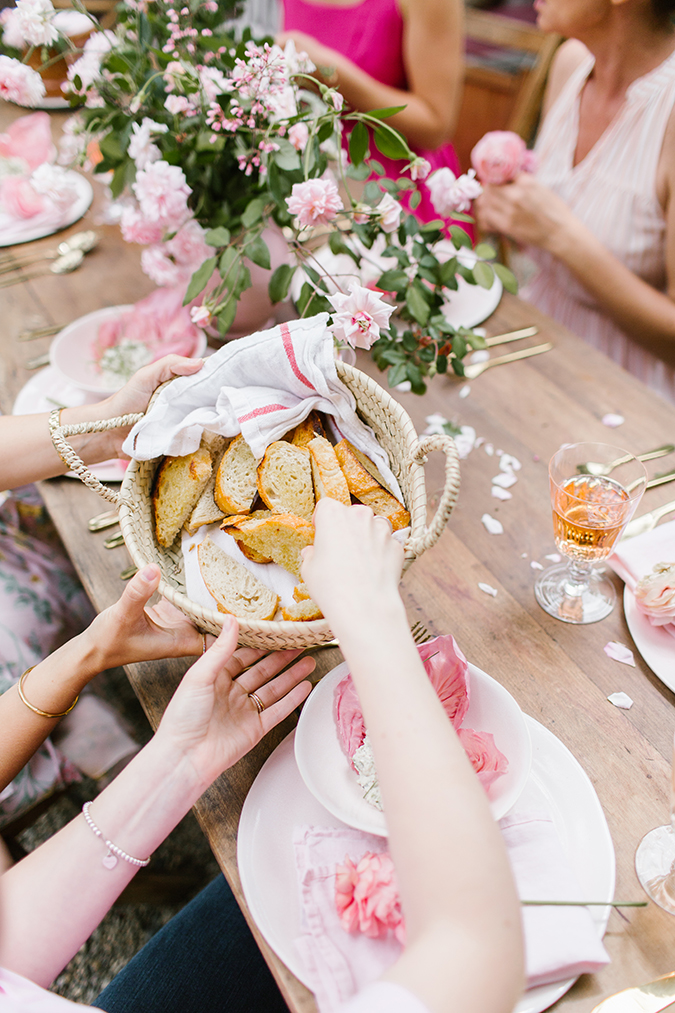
260,706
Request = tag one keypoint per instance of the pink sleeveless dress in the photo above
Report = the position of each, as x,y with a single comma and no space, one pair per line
613,192
370,34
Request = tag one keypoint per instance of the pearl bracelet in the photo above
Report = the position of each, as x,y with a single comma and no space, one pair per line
109,861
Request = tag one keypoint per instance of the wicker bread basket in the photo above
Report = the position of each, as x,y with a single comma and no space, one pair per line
395,432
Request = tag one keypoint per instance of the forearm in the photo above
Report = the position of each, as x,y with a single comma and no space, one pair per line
51,686
56,896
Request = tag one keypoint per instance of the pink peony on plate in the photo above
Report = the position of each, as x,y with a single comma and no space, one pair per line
328,774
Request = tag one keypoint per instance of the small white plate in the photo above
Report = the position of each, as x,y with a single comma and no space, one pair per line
47,390
655,645
19,230
278,802
470,305
328,773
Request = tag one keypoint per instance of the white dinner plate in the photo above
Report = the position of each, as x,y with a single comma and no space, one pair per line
278,802
470,305
330,777
46,390
16,230
655,645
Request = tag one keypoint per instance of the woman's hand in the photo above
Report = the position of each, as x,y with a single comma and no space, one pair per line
526,211
212,719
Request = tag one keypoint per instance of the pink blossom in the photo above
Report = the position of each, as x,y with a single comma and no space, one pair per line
162,193
450,193
655,594
367,898
315,202
20,83
447,669
298,135
141,148
200,315
485,758
12,35
359,316
34,21
388,213
56,184
161,268
499,156
188,248
136,229
177,104
419,168
30,138
19,199
337,99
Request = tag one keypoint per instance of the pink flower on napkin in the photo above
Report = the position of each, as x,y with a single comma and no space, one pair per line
29,138
367,898
160,322
485,758
18,198
500,156
655,594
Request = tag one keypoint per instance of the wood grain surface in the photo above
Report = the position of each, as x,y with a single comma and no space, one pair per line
558,673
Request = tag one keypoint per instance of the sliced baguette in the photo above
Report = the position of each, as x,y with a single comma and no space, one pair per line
307,430
207,510
326,472
366,488
234,588
179,483
302,612
215,444
250,553
236,478
279,537
285,479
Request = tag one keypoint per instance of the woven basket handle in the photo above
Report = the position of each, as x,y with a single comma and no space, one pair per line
68,455
431,534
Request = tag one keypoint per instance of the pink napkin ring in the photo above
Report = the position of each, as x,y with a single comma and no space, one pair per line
109,861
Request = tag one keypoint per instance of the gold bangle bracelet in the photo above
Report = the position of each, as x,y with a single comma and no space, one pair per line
36,710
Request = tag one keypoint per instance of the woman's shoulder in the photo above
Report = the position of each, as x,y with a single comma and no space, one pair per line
569,56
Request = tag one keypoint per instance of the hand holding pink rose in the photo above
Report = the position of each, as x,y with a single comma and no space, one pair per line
500,156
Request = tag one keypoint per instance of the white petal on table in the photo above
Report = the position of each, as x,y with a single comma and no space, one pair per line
505,479
621,700
509,463
535,565
494,526
555,557
499,493
465,390
489,449
612,420
618,652
488,589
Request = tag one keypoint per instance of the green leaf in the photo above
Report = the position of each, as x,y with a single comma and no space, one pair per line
358,172
459,346
418,306
467,273
415,199
377,167
389,184
485,251
393,281
217,237
252,212
390,144
227,315
384,114
199,279
447,271
258,252
483,274
227,259
325,131
459,237
442,364
280,282
111,149
507,278
287,158
372,193
410,226
358,143
397,374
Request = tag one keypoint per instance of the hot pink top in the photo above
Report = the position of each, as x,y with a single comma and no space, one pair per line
370,34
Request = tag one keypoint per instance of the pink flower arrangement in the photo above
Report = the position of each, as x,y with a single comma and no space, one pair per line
450,193
485,758
315,202
162,192
20,83
29,138
655,594
500,156
359,316
18,199
367,898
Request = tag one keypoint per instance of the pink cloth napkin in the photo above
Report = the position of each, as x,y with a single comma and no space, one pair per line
636,557
560,942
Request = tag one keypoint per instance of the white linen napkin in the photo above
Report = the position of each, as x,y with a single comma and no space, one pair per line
560,942
634,558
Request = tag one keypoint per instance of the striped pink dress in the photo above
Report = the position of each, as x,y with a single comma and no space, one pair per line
613,192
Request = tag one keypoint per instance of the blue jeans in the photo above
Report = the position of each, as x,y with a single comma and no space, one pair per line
205,960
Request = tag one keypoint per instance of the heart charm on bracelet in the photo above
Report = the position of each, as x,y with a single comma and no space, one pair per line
109,861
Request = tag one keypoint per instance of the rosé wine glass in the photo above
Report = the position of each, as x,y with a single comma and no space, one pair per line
590,512
655,858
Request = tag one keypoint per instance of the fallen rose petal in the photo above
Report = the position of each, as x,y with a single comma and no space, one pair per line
509,463
494,526
464,441
500,493
480,441
612,420
555,557
486,759
523,555
535,565
489,449
465,390
617,652
621,700
487,589
505,479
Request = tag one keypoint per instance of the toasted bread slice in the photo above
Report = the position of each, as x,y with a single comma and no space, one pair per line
326,471
301,592
207,510
307,430
250,553
179,483
285,480
234,588
236,478
302,612
366,488
279,537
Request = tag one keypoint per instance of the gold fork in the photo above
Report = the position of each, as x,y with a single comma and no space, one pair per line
476,368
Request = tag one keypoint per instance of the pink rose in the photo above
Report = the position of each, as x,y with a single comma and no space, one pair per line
315,202
135,228
19,199
161,268
419,168
162,193
388,212
448,670
187,247
30,138
367,898
20,83
298,135
485,758
450,193
359,315
500,156
655,594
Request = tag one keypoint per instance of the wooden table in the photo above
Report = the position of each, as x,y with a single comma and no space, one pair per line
558,673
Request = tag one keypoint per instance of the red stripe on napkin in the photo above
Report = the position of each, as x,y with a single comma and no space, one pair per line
290,353
263,411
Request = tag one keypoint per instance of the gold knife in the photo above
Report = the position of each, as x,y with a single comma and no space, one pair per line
646,522
650,998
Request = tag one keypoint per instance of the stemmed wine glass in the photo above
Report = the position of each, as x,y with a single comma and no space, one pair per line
655,858
595,489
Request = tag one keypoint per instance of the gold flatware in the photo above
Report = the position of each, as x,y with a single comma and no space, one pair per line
503,339
476,368
38,361
63,265
114,541
129,572
595,468
646,522
40,332
102,521
650,998
668,476
81,241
